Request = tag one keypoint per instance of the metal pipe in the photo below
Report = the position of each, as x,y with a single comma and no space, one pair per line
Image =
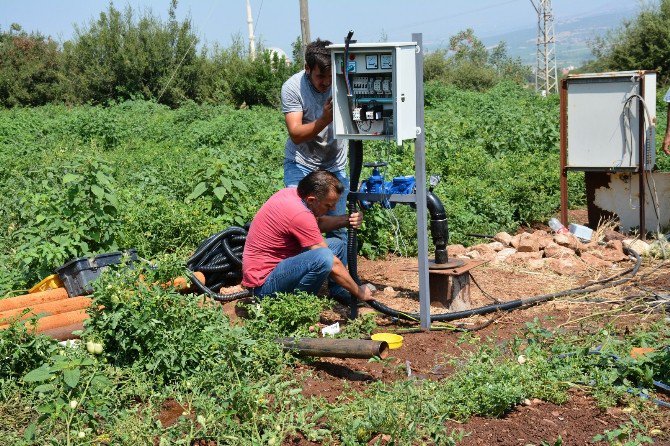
336,348
564,150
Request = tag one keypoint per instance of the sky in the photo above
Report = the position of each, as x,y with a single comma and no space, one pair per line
277,21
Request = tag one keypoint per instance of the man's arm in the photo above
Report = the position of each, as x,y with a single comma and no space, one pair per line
300,132
666,140
341,276
329,223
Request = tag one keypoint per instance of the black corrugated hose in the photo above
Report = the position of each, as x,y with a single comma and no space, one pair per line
219,258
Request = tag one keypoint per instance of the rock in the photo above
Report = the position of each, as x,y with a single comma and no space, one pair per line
613,235
497,246
539,233
483,249
608,254
537,263
504,254
637,245
566,266
594,261
523,257
390,292
473,254
514,243
456,250
528,243
544,241
503,238
371,287
485,252
558,252
568,240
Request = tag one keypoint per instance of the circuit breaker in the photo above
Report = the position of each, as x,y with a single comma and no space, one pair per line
611,120
377,100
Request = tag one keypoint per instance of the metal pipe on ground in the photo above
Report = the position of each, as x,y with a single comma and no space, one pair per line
336,348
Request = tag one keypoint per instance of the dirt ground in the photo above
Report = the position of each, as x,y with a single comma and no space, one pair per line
576,422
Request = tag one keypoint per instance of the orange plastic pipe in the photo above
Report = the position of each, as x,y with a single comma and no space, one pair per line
29,300
65,332
60,320
50,308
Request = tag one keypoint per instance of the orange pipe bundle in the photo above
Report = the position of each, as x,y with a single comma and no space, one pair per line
29,300
48,308
64,314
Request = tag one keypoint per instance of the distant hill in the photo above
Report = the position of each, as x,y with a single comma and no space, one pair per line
572,37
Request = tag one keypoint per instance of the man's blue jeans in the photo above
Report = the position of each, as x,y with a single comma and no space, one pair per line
307,272
294,172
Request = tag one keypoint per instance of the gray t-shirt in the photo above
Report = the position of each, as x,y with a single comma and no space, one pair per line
324,151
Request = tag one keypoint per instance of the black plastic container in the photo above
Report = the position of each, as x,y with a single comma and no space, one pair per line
78,274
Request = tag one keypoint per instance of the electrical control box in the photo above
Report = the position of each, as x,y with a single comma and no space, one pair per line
611,120
376,99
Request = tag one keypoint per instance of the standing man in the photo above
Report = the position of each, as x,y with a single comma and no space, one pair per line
307,105
666,140
285,250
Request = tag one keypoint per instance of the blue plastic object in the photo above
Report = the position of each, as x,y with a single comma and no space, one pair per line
375,184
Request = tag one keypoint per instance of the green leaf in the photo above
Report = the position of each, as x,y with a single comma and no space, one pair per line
199,190
29,433
98,191
40,374
226,183
71,377
44,388
102,179
70,178
220,192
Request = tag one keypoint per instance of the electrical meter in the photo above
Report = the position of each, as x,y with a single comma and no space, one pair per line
377,97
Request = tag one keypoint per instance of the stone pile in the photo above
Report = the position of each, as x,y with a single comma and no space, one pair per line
561,253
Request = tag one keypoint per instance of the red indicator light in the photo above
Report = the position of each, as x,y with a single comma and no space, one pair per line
352,56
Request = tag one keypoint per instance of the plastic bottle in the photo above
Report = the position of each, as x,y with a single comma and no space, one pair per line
557,226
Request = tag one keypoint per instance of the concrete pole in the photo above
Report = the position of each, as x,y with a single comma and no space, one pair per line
250,26
304,24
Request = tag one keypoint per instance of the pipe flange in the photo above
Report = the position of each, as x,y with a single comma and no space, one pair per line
452,263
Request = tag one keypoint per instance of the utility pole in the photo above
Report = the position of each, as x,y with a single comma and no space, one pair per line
250,26
304,24
545,70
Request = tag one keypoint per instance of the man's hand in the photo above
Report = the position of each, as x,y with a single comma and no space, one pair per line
666,144
327,116
356,220
364,293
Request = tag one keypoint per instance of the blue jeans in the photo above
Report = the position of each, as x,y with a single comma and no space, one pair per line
307,271
294,172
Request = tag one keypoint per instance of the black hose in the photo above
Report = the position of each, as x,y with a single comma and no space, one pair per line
355,166
439,228
219,258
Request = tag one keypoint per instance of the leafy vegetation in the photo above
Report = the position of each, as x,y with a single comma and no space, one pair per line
233,385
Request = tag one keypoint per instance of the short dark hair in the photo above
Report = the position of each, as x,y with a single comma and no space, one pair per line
317,54
319,183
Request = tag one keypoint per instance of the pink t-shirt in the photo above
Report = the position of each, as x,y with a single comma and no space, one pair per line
282,228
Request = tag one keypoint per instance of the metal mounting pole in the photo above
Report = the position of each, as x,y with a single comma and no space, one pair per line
420,175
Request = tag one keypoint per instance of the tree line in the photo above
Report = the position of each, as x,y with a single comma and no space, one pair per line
121,55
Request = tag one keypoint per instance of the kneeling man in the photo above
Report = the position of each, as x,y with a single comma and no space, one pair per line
285,250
